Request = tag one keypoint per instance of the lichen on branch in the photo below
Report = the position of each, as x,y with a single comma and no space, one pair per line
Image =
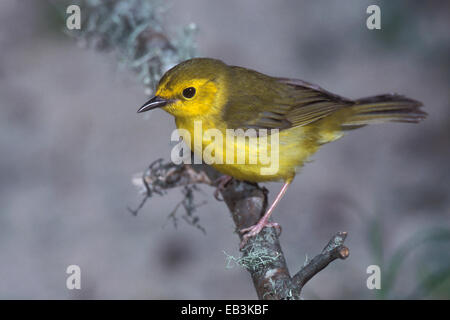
134,30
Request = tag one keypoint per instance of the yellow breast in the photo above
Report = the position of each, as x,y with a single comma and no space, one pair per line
246,156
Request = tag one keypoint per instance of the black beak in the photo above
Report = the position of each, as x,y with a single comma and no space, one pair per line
155,102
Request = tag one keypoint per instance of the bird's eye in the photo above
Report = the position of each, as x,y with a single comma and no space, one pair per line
189,92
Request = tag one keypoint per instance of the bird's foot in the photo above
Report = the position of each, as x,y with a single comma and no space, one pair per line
221,183
255,229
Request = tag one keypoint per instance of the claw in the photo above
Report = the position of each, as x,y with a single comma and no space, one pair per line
221,183
264,221
255,229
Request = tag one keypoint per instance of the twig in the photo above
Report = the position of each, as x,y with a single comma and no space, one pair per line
333,250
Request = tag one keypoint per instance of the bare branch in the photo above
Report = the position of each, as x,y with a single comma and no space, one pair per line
332,251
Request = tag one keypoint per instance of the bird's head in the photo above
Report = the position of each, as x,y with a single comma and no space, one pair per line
194,87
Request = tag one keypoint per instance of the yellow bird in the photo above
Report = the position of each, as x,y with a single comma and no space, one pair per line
289,118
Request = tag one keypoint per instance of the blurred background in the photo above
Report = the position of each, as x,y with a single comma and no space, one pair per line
70,142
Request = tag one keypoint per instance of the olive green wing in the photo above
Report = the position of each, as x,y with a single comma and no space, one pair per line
262,102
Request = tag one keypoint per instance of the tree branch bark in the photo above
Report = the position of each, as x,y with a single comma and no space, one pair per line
247,202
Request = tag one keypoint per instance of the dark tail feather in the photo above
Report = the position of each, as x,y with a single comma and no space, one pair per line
384,108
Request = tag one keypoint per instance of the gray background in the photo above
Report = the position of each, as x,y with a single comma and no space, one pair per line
70,141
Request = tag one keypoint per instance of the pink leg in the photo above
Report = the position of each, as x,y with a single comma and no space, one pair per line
264,221
221,183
